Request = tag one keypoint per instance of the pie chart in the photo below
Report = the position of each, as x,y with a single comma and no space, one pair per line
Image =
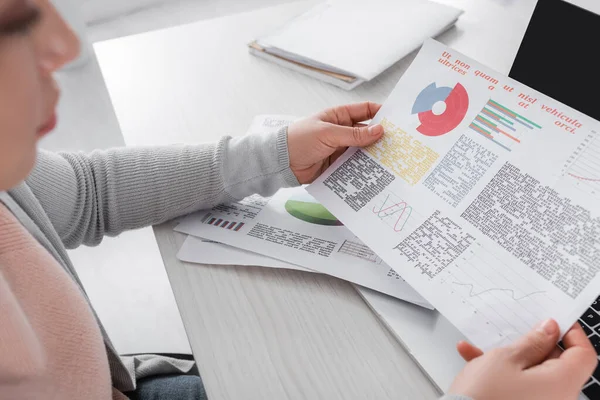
306,208
456,101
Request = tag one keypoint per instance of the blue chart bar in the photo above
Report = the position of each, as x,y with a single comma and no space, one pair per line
501,125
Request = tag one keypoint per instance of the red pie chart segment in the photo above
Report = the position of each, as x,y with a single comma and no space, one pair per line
457,105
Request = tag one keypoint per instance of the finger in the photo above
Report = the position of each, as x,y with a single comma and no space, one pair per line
345,136
576,337
556,352
352,113
359,112
576,363
536,346
580,355
467,351
336,154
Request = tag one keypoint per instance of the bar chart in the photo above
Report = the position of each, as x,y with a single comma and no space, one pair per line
222,223
502,125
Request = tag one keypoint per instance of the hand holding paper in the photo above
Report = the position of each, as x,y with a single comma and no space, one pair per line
315,142
531,368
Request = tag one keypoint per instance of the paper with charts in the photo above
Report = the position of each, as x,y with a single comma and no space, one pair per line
483,194
292,226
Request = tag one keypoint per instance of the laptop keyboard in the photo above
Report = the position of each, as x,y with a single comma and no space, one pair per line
590,321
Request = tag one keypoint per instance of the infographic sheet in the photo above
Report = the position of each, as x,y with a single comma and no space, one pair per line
483,194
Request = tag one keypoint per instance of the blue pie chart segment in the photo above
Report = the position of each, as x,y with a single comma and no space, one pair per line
429,96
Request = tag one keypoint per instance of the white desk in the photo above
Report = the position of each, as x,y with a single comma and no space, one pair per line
262,333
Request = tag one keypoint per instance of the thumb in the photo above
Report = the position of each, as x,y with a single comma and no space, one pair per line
352,136
537,345
467,351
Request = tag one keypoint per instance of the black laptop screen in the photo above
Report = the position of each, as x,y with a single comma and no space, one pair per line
560,55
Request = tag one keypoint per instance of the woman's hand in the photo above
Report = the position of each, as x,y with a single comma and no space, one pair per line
316,142
532,368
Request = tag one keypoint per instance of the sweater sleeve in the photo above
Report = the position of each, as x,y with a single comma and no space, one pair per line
87,196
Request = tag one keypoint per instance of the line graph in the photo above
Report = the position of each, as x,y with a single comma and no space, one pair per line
395,212
581,172
401,207
512,292
491,291
581,178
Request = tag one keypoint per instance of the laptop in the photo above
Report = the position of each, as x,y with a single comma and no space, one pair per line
556,57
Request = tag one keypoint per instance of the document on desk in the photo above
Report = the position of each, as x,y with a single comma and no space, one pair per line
483,194
292,226
203,251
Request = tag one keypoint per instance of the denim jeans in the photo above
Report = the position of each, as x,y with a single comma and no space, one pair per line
171,387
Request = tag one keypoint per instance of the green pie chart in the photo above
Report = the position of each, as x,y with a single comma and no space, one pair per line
308,209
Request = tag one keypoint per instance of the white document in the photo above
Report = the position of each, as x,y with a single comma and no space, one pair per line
202,251
331,35
483,194
294,227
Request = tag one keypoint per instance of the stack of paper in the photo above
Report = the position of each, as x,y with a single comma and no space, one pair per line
290,226
348,42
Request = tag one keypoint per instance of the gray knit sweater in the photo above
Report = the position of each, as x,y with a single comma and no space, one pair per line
72,199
